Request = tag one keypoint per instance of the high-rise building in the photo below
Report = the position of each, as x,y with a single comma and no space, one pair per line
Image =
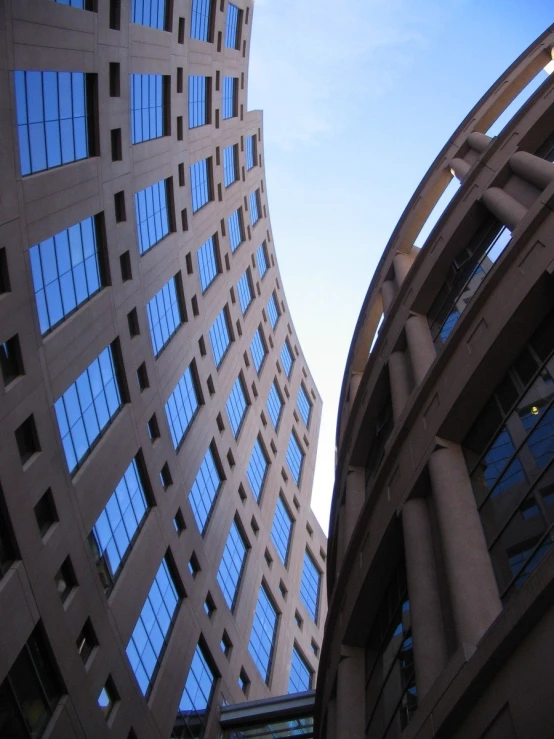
441,564
158,554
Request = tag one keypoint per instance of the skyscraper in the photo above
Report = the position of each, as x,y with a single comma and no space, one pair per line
158,554
441,565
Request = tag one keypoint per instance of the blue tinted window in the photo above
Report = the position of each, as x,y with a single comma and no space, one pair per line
232,564
115,530
253,200
147,103
66,272
236,406
261,258
87,407
309,586
304,405
149,13
262,637
287,359
208,263
230,164
220,338
230,94
300,677
198,101
52,119
274,404
295,457
258,349
74,3
244,289
181,407
250,151
200,184
199,686
152,215
272,310
236,233
281,530
151,634
164,315
257,468
201,20
204,491
232,27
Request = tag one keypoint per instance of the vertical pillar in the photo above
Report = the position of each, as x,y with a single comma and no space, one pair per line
351,694
355,380
507,209
354,498
420,345
331,731
399,382
402,265
388,294
430,652
478,141
472,585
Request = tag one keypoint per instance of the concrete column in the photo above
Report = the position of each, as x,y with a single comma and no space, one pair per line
355,497
351,694
355,380
331,731
399,382
460,168
388,294
402,265
430,652
535,170
478,141
507,209
472,585
420,346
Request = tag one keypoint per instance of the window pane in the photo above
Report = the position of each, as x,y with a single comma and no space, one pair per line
236,406
261,258
204,491
199,686
199,184
198,101
304,405
253,200
164,315
244,289
274,404
257,469
232,27
295,458
200,20
231,565
230,92
181,407
230,164
300,677
258,350
152,216
287,359
309,587
149,13
220,338
272,311
250,144
236,233
147,107
281,530
207,263
262,636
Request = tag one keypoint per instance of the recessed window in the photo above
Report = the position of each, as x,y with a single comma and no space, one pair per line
152,213
150,13
10,360
54,118
116,146
251,152
201,183
108,698
257,469
142,377
132,321
287,358
125,266
283,589
86,641
181,407
119,206
201,23
310,586
245,292
263,635
243,681
153,428
304,405
115,84
254,206
220,337
165,477
232,564
281,531
273,311
193,565
230,97
295,457
203,494
179,522
27,439
236,406
147,107
299,620
233,26
261,258
165,314
230,164
274,404
209,606
4,273
300,676
199,686
226,644
45,513
65,580
199,100
258,349
208,262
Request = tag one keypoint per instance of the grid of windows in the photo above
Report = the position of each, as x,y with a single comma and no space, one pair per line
258,349
116,528
199,686
200,184
295,457
264,631
149,13
236,406
200,22
164,315
230,164
274,404
198,100
232,27
153,628
204,490
232,565
244,289
181,407
230,95
300,676
208,263
250,144
253,202
310,585
272,310
66,272
257,468
53,119
304,405
220,337
87,407
261,258
281,530
236,231
152,215
287,358
147,107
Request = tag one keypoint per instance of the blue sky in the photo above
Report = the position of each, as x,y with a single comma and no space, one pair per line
358,97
